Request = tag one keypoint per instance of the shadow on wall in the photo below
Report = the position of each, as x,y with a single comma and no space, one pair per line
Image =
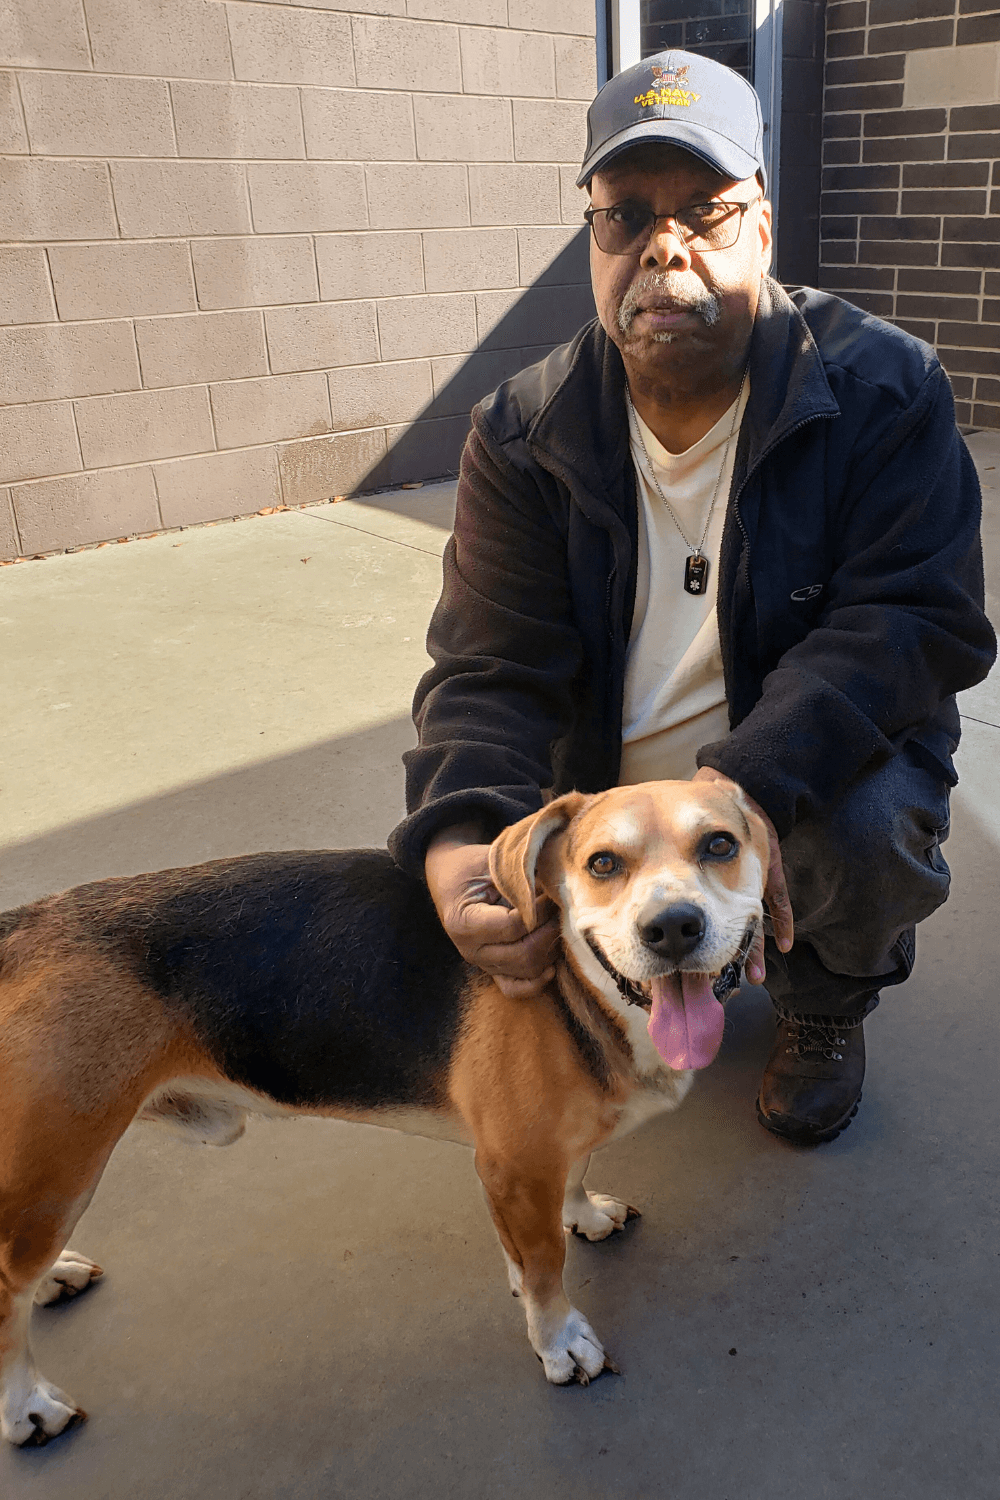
545,314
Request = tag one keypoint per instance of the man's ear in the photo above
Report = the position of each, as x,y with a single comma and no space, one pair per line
515,852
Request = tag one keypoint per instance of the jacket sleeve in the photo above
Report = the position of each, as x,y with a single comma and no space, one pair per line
505,653
903,628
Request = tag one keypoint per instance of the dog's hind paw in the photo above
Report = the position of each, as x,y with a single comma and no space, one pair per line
596,1216
573,1352
71,1275
29,1417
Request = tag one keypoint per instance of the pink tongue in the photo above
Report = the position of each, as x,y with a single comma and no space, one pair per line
686,1020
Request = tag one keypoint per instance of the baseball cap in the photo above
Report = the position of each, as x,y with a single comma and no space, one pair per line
684,100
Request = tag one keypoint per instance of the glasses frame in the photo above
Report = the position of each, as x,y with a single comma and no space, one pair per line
640,242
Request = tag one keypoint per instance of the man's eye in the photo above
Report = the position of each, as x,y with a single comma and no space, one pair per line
628,218
721,846
704,215
604,864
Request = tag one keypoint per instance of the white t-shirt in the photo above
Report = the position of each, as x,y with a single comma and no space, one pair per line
675,695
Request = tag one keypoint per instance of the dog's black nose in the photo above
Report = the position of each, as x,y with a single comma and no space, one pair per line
671,931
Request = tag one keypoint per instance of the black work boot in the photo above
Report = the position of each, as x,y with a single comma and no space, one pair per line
811,1087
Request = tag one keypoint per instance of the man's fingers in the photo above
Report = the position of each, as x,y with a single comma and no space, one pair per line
527,959
524,989
779,906
754,968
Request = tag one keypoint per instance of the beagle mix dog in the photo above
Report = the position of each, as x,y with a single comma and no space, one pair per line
323,983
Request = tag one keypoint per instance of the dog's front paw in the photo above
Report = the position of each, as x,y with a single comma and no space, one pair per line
595,1216
572,1352
71,1275
29,1416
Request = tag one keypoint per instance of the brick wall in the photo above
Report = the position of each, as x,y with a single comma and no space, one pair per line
262,253
910,223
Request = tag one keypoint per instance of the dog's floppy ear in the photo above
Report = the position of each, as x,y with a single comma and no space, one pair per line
514,853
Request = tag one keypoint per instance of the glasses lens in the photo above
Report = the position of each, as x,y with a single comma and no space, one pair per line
619,230
711,226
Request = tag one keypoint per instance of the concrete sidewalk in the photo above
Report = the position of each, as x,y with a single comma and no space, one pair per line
321,1309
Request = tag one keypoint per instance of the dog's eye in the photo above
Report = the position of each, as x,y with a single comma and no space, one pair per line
720,846
604,864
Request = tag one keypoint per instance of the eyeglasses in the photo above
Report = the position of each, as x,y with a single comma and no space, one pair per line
626,228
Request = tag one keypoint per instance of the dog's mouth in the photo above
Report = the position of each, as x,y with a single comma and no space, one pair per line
686,1017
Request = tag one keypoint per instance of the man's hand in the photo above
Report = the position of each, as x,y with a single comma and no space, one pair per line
775,890
486,931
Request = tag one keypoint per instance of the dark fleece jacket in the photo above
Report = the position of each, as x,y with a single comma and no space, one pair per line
850,596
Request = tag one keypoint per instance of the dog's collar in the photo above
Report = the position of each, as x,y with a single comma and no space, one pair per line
730,977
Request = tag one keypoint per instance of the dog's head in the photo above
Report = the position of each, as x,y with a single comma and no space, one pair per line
660,887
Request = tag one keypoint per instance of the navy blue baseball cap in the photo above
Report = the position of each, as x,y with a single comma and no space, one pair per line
684,100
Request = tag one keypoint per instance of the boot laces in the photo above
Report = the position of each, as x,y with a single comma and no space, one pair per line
816,1037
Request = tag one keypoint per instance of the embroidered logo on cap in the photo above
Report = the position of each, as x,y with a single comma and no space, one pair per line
669,87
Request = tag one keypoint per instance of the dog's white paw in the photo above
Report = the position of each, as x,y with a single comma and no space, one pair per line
33,1412
71,1275
572,1352
596,1216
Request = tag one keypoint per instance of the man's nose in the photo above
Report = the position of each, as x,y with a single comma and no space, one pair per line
671,931
666,248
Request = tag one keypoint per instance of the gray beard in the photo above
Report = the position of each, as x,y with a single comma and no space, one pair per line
708,305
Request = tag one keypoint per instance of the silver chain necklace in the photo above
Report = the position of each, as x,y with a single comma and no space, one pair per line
696,566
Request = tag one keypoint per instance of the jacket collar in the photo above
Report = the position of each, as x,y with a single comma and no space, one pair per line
580,430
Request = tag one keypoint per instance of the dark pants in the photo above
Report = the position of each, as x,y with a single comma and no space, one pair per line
859,881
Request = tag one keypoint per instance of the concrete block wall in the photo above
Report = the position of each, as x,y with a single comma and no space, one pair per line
256,252
910,224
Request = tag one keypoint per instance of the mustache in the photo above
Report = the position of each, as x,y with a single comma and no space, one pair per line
706,304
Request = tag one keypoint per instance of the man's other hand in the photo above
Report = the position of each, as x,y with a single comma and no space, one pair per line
485,930
775,889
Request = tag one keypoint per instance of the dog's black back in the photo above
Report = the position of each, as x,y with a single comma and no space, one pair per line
313,977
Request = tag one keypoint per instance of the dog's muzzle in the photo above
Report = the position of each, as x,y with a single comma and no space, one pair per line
727,983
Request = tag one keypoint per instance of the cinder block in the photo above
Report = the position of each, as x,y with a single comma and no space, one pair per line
294,196
417,196
320,468
553,257
10,545
537,315
460,380
578,17
376,395
57,513
368,265
270,410
160,38
515,194
254,271
413,54
462,127
37,440
25,292
416,327
237,119
13,137
276,45
357,125
78,114
50,360
317,338
425,450
141,425
164,199
519,63
572,200
466,260
44,34
201,347
216,485
487,12
120,280
55,200
549,130
576,67
951,75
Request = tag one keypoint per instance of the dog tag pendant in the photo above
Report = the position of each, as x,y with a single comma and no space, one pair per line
696,574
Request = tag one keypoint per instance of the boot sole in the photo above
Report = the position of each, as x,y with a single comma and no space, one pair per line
805,1135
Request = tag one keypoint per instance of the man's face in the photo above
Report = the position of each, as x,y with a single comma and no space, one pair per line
677,314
